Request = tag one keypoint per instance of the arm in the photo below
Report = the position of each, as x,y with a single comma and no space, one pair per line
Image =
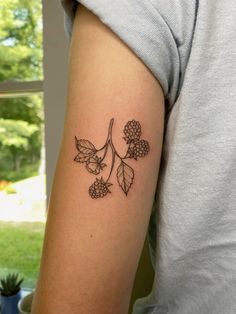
92,245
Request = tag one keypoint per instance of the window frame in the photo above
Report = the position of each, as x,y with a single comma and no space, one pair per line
20,88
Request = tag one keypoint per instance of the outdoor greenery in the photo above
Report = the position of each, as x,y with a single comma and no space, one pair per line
26,171
20,40
21,118
21,131
21,245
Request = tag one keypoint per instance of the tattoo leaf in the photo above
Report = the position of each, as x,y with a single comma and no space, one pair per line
86,150
85,147
125,176
80,157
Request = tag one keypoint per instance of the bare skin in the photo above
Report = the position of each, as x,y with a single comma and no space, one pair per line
92,246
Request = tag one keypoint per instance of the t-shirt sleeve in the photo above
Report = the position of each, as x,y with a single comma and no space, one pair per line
159,32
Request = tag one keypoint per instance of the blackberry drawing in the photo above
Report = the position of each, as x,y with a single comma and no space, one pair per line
99,188
138,148
132,131
93,158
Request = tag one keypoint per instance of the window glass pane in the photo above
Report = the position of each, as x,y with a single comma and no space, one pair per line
21,40
22,185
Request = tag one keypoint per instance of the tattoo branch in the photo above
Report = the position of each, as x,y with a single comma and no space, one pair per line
87,154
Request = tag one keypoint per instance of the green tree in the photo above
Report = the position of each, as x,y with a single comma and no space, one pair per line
21,40
21,118
15,135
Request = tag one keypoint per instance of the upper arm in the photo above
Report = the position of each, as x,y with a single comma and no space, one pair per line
93,245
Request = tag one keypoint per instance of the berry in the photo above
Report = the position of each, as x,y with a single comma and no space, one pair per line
99,188
132,131
138,148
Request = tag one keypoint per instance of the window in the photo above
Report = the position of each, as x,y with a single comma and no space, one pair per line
22,149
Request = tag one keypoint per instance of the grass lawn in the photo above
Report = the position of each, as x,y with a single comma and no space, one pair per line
20,249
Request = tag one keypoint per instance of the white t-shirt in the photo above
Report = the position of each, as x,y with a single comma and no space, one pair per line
190,47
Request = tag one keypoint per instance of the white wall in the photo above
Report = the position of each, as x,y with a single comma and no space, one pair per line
55,81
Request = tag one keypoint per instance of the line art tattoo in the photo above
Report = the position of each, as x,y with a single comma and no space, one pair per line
89,155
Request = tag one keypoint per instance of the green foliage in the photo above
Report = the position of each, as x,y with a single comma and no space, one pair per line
16,133
22,108
16,140
21,120
10,285
20,40
26,171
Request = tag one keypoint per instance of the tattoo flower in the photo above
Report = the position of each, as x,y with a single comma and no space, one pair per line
87,153
94,164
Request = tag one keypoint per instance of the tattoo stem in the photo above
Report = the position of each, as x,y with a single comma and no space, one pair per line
114,152
110,127
107,140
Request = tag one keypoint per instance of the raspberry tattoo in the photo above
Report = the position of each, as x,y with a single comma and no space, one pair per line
99,188
139,148
89,155
132,131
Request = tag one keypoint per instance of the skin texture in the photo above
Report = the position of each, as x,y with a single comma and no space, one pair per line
92,246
